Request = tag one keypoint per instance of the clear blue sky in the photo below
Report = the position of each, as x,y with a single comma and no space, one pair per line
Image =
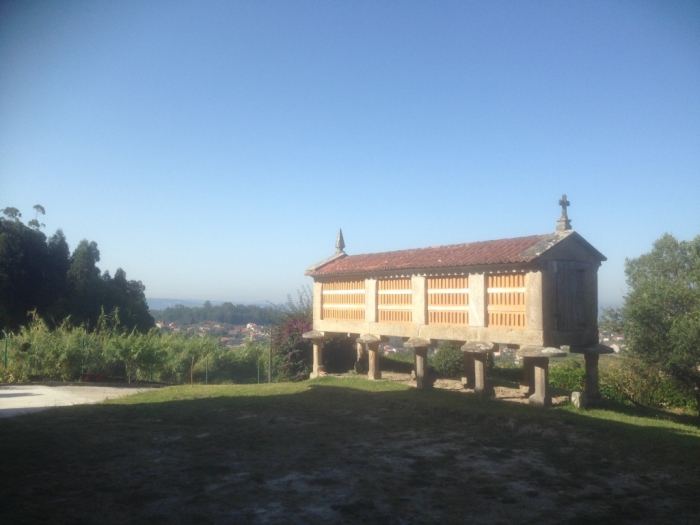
212,149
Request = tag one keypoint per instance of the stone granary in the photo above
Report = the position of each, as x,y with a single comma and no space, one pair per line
536,294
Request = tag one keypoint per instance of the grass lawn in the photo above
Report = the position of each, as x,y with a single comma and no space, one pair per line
344,450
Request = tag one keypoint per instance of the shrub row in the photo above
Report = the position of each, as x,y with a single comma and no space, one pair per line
107,353
627,379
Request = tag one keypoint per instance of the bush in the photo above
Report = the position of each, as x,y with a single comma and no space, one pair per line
247,364
629,379
68,353
448,361
291,353
570,375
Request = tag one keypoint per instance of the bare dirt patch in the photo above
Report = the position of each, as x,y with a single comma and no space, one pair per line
503,393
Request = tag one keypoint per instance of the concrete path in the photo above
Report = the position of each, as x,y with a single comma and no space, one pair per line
22,399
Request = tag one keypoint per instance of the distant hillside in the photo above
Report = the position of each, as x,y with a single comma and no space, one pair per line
157,303
227,312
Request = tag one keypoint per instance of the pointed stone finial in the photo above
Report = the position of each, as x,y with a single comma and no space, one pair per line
564,223
340,242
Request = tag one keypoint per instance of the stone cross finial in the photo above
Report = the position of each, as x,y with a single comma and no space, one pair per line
564,223
339,242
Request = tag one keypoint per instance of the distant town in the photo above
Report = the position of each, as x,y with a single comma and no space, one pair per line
229,335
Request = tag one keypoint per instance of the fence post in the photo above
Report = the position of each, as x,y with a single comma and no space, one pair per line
269,359
206,370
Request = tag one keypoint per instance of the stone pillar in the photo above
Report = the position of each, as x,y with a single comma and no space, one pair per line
479,351
592,389
318,301
541,397
481,382
534,313
468,374
421,360
591,354
419,300
316,338
527,385
371,343
361,362
374,371
318,368
478,314
370,300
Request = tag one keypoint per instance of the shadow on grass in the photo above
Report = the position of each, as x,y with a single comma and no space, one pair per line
177,453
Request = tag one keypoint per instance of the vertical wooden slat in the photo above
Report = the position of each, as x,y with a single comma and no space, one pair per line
506,309
387,314
355,311
447,299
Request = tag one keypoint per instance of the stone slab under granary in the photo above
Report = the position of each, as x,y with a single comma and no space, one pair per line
539,291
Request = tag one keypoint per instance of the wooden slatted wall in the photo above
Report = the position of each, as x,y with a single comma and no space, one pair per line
344,300
506,301
571,314
448,300
394,300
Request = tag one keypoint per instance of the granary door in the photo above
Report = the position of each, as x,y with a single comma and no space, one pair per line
571,296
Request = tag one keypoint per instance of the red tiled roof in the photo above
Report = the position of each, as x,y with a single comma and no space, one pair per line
502,251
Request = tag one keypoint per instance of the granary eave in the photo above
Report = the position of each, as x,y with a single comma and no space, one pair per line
556,238
324,262
440,271
588,246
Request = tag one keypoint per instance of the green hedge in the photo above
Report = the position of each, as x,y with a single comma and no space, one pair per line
569,376
627,380
73,353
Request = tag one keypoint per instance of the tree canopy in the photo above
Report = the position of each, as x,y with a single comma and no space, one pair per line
661,315
224,313
40,274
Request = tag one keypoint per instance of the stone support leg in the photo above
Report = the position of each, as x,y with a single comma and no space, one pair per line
374,371
421,365
318,358
468,377
527,385
361,361
481,384
592,389
541,397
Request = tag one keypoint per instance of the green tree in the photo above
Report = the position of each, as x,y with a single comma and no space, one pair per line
40,275
12,213
84,261
610,320
34,223
23,280
661,315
